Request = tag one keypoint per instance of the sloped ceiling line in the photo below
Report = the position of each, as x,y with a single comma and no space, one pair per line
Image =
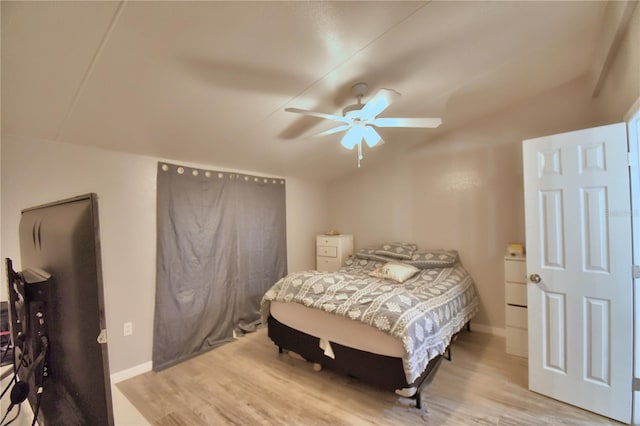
611,36
91,67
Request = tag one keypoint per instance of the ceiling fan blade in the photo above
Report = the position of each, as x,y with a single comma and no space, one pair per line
333,130
352,137
379,102
407,122
318,114
371,137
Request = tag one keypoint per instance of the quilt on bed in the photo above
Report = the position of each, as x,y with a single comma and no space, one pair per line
423,312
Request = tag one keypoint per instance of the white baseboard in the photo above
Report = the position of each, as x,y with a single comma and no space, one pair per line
131,372
496,331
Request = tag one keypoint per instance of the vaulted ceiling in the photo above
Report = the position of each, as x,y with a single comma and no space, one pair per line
208,82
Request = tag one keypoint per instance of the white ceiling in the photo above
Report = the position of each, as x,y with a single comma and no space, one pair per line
208,82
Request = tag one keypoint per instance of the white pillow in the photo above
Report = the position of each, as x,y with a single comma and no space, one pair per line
399,272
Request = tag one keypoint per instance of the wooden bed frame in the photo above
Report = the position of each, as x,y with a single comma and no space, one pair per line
381,371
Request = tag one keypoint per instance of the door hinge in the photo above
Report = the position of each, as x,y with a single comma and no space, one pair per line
635,384
636,272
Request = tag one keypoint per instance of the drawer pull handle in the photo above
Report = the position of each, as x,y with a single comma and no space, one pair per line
535,278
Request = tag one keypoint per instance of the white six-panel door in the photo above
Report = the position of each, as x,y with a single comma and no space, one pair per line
578,235
633,133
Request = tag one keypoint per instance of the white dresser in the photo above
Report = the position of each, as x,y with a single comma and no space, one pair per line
515,277
332,251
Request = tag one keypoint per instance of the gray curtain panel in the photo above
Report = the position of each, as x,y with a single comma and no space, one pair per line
221,244
261,243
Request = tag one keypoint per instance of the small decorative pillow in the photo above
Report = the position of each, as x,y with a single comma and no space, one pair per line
397,250
425,259
398,272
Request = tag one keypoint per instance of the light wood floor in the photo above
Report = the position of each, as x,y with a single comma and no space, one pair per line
247,382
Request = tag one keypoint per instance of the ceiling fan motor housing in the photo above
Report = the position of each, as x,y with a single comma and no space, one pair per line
349,108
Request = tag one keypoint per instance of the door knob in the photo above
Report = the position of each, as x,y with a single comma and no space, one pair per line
535,278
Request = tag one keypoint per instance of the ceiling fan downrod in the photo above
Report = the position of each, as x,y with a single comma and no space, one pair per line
358,90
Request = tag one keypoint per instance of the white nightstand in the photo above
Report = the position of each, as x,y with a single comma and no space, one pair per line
332,251
515,277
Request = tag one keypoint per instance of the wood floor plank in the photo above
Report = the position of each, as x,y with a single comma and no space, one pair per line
248,382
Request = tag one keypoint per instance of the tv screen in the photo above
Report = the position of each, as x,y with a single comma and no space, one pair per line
61,284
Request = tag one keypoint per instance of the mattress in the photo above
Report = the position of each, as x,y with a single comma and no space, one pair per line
336,329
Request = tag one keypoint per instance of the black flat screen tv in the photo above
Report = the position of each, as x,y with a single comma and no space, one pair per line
62,299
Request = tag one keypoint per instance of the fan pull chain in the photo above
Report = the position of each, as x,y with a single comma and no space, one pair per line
359,152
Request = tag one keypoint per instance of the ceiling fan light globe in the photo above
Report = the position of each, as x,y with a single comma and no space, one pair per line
351,138
349,143
371,137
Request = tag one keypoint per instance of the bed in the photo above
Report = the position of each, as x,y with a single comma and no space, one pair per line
387,317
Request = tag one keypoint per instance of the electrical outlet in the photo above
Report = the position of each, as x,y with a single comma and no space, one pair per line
128,328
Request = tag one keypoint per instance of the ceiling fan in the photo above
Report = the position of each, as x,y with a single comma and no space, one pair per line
360,119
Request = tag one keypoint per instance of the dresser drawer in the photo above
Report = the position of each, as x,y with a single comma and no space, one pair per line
327,264
516,294
515,271
326,251
516,316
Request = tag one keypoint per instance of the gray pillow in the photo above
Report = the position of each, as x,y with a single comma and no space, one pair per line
370,254
436,258
402,251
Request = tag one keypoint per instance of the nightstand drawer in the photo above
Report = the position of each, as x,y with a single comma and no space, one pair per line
325,251
516,316
515,271
328,241
516,294
327,264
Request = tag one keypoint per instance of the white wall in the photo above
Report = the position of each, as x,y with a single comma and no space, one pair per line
36,172
307,216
